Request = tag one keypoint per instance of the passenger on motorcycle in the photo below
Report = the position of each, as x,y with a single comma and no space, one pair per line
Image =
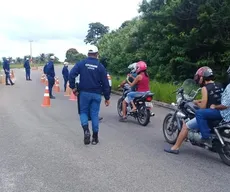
142,82
211,94
132,67
215,112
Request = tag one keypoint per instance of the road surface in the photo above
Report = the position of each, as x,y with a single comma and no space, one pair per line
42,150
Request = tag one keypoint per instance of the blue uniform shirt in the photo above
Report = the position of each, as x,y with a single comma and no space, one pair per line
6,65
49,69
65,72
93,77
27,64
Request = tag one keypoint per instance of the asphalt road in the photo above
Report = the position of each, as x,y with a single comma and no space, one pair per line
42,150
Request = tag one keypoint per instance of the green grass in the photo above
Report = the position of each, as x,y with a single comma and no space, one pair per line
21,65
163,91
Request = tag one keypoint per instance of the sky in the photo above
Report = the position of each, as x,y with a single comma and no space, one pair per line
55,26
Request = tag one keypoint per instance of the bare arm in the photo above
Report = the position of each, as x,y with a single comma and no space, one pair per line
136,80
202,103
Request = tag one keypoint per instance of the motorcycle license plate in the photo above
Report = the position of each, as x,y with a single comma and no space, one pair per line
149,104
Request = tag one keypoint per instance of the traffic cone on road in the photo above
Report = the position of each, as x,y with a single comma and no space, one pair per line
68,90
56,86
46,100
72,97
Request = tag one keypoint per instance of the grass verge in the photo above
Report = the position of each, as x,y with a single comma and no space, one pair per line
163,91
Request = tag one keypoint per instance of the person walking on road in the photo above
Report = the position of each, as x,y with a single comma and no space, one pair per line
65,74
27,69
93,82
50,74
6,68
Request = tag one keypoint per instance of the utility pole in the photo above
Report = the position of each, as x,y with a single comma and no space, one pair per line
31,60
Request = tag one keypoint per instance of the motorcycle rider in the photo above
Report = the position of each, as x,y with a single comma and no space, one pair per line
142,82
132,75
211,94
215,112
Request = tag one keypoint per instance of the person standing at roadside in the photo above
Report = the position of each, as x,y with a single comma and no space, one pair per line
27,69
93,82
65,74
6,68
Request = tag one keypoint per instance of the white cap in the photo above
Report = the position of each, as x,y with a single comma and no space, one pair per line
27,58
52,57
92,49
65,63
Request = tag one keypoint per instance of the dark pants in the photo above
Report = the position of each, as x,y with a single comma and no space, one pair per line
90,102
51,82
27,74
202,117
8,78
65,82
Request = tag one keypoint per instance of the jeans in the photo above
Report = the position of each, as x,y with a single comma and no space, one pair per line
27,74
51,82
202,117
90,102
8,78
131,96
192,124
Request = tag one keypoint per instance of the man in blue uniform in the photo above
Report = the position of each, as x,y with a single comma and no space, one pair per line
93,82
6,68
65,74
27,69
50,74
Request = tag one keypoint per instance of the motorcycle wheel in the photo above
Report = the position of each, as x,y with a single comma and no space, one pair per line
119,107
143,116
168,131
225,154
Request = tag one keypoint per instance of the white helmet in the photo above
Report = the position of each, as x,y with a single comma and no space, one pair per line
52,57
132,67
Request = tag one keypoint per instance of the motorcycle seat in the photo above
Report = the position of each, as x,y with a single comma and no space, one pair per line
146,94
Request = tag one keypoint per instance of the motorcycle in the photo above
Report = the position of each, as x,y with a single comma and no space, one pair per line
184,110
143,104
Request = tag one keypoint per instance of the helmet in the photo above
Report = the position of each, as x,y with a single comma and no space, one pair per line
27,58
132,67
203,72
141,66
65,63
52,57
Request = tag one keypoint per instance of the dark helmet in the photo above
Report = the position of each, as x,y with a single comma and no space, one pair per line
205,72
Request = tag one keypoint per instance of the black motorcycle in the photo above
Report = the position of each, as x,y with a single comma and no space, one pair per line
142,103
184,111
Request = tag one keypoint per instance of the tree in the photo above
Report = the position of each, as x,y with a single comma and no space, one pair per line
73,56
175,39
95,33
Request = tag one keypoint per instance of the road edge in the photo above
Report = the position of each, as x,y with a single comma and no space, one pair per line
157,103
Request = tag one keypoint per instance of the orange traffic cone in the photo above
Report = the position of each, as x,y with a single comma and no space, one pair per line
46,100
43,78
72,97
46,82
56,86
68,90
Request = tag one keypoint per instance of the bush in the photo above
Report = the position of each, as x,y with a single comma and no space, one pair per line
163,91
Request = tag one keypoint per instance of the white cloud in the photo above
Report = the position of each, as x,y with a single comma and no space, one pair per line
56,26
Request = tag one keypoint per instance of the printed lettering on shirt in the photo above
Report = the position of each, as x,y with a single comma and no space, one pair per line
90,66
